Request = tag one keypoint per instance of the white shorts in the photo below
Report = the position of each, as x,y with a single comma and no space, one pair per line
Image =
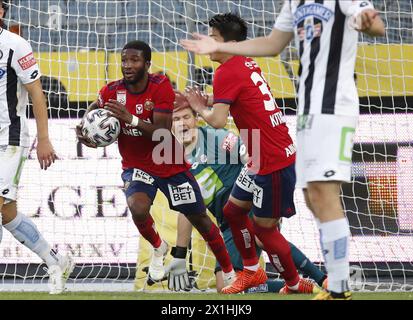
11,159
324,148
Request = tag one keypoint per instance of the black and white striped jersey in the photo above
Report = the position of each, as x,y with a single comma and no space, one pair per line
327,45
17,67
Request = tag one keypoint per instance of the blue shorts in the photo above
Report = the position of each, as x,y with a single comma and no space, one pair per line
181,190
272,194
234,254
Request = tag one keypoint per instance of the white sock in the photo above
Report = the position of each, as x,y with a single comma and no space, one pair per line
26,232
160,251
334,239
252,268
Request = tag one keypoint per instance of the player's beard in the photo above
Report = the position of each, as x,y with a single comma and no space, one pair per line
138,77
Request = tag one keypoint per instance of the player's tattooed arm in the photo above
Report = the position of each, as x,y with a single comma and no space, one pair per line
82,139
216,116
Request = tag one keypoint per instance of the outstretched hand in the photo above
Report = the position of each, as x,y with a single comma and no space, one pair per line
197,99
201,44
180,100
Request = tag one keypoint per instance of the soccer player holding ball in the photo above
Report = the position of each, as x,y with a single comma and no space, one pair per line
326,36
143,102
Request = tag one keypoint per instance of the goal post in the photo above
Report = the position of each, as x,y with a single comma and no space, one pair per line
79,205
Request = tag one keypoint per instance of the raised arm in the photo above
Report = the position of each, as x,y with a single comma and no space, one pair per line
363,17
216,116
371,23
271,45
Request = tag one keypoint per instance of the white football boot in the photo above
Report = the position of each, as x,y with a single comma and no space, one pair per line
156,267
59,273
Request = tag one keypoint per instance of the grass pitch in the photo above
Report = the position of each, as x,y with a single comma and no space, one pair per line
187,296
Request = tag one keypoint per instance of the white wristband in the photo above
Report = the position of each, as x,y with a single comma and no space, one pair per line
135,121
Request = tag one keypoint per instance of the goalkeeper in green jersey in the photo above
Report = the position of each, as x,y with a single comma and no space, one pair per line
217,157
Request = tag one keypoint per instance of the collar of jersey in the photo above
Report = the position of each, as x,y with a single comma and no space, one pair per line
135,93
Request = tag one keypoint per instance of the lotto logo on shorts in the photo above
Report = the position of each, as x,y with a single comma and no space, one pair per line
182,194
27,61
257,196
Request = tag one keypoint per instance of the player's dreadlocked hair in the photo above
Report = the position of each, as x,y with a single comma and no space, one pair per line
230,25
141,46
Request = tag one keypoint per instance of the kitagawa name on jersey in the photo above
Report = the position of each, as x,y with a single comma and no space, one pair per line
277,119
315,9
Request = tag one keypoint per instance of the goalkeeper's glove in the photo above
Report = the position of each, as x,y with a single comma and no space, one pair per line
178,278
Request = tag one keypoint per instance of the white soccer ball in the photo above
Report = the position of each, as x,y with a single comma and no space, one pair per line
100,127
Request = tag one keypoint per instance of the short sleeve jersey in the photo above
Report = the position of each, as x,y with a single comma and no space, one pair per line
326,42
18,67
239,82
137,151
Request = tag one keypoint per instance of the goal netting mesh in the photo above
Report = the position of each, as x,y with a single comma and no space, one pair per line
79,205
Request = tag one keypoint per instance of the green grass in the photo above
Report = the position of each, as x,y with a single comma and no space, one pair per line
181,296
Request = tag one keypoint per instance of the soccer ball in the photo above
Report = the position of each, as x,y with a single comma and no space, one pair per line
101,128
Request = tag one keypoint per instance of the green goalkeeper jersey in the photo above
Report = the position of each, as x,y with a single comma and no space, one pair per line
216,163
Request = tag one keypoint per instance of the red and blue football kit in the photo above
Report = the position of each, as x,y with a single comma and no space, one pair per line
141,173
137,150
240,83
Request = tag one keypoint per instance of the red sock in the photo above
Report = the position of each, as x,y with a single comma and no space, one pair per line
279,253
242,232
217,245
148,231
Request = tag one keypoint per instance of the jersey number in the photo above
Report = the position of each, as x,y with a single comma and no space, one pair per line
269,105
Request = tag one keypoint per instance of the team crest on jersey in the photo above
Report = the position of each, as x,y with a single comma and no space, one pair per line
315,10
149,105
2,73
27,61
310,31
121,96
139,108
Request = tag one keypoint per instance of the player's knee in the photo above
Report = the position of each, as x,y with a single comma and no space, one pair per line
138,209
266,222
316,196
201,222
